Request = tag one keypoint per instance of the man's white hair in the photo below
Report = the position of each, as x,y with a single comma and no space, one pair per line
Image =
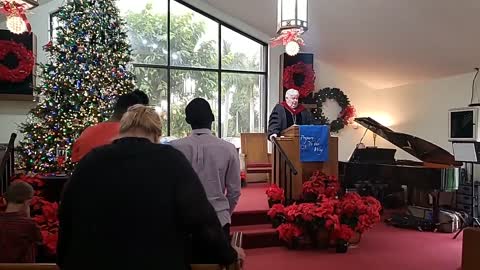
291,92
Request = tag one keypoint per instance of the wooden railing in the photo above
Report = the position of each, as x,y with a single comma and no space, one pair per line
283,170
7,162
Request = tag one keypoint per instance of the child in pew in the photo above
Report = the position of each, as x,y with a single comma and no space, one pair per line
19,234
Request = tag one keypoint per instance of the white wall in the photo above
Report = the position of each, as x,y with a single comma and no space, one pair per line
360,97
422,109
13,113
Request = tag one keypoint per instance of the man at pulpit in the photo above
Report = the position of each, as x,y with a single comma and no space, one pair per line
288,113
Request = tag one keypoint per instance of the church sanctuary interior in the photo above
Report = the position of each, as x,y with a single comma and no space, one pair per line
253,134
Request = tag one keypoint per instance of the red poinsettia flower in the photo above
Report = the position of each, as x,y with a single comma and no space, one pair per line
50,241
275,193
291,212
277,209
344,232
321,184
288,232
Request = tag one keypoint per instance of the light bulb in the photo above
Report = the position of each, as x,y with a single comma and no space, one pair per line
292,48
16,25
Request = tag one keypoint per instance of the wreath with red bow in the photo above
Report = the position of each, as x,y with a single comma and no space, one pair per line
25,62
344,117
300,77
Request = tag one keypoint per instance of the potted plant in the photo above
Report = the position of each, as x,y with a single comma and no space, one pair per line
275,195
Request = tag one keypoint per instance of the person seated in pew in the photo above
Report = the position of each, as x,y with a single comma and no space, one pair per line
105,132
214,160
288,113
19,235
131,204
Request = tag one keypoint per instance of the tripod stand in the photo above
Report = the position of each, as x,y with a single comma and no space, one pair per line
473,221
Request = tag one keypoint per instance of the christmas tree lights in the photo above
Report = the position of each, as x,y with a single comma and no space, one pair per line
85,73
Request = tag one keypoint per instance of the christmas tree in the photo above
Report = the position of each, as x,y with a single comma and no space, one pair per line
85,73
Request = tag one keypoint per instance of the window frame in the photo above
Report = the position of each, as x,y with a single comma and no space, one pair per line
219,70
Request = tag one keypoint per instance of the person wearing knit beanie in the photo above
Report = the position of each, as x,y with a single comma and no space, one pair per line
214,160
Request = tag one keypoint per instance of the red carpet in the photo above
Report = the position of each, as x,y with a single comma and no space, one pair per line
253,198
382,248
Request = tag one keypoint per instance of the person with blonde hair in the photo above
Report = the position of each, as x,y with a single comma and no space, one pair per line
133,203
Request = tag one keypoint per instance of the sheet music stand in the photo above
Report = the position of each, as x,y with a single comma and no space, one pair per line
468,153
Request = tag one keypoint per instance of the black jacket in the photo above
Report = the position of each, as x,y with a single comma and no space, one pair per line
130,205
278,120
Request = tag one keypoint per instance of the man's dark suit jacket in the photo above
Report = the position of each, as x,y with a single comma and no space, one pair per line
278,120
130,205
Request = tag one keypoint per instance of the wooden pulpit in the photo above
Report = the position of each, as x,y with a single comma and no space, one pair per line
289,142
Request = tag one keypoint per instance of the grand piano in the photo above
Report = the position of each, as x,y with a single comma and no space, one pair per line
377,168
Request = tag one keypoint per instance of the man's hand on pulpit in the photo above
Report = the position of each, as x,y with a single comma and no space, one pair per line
273,136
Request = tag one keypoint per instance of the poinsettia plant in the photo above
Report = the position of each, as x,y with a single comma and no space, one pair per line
44,213
359,213
322,211
275,194
320,184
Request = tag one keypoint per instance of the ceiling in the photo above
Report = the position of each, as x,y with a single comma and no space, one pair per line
383,43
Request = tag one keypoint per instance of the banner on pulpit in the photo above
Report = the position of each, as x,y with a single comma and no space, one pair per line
314,143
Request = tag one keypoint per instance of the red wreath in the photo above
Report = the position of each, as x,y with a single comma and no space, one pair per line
25,61
299,69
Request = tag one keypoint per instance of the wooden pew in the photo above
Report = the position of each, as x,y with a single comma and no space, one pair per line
236,241
254,147
40,266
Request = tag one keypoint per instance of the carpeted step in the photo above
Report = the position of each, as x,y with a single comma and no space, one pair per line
254,217
258,236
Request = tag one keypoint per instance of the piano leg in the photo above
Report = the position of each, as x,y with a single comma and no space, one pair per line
436,208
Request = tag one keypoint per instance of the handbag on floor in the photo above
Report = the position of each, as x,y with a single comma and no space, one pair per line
449,220
408,221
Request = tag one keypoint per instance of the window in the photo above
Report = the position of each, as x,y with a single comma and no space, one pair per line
179,53
52,28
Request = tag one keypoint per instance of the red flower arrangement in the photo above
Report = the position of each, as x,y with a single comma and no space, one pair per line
243,176
276,210
288,232
44,213
360,213
25,60
302,69
320,184
340,218
275,194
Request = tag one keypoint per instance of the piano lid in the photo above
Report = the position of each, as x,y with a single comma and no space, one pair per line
417,147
